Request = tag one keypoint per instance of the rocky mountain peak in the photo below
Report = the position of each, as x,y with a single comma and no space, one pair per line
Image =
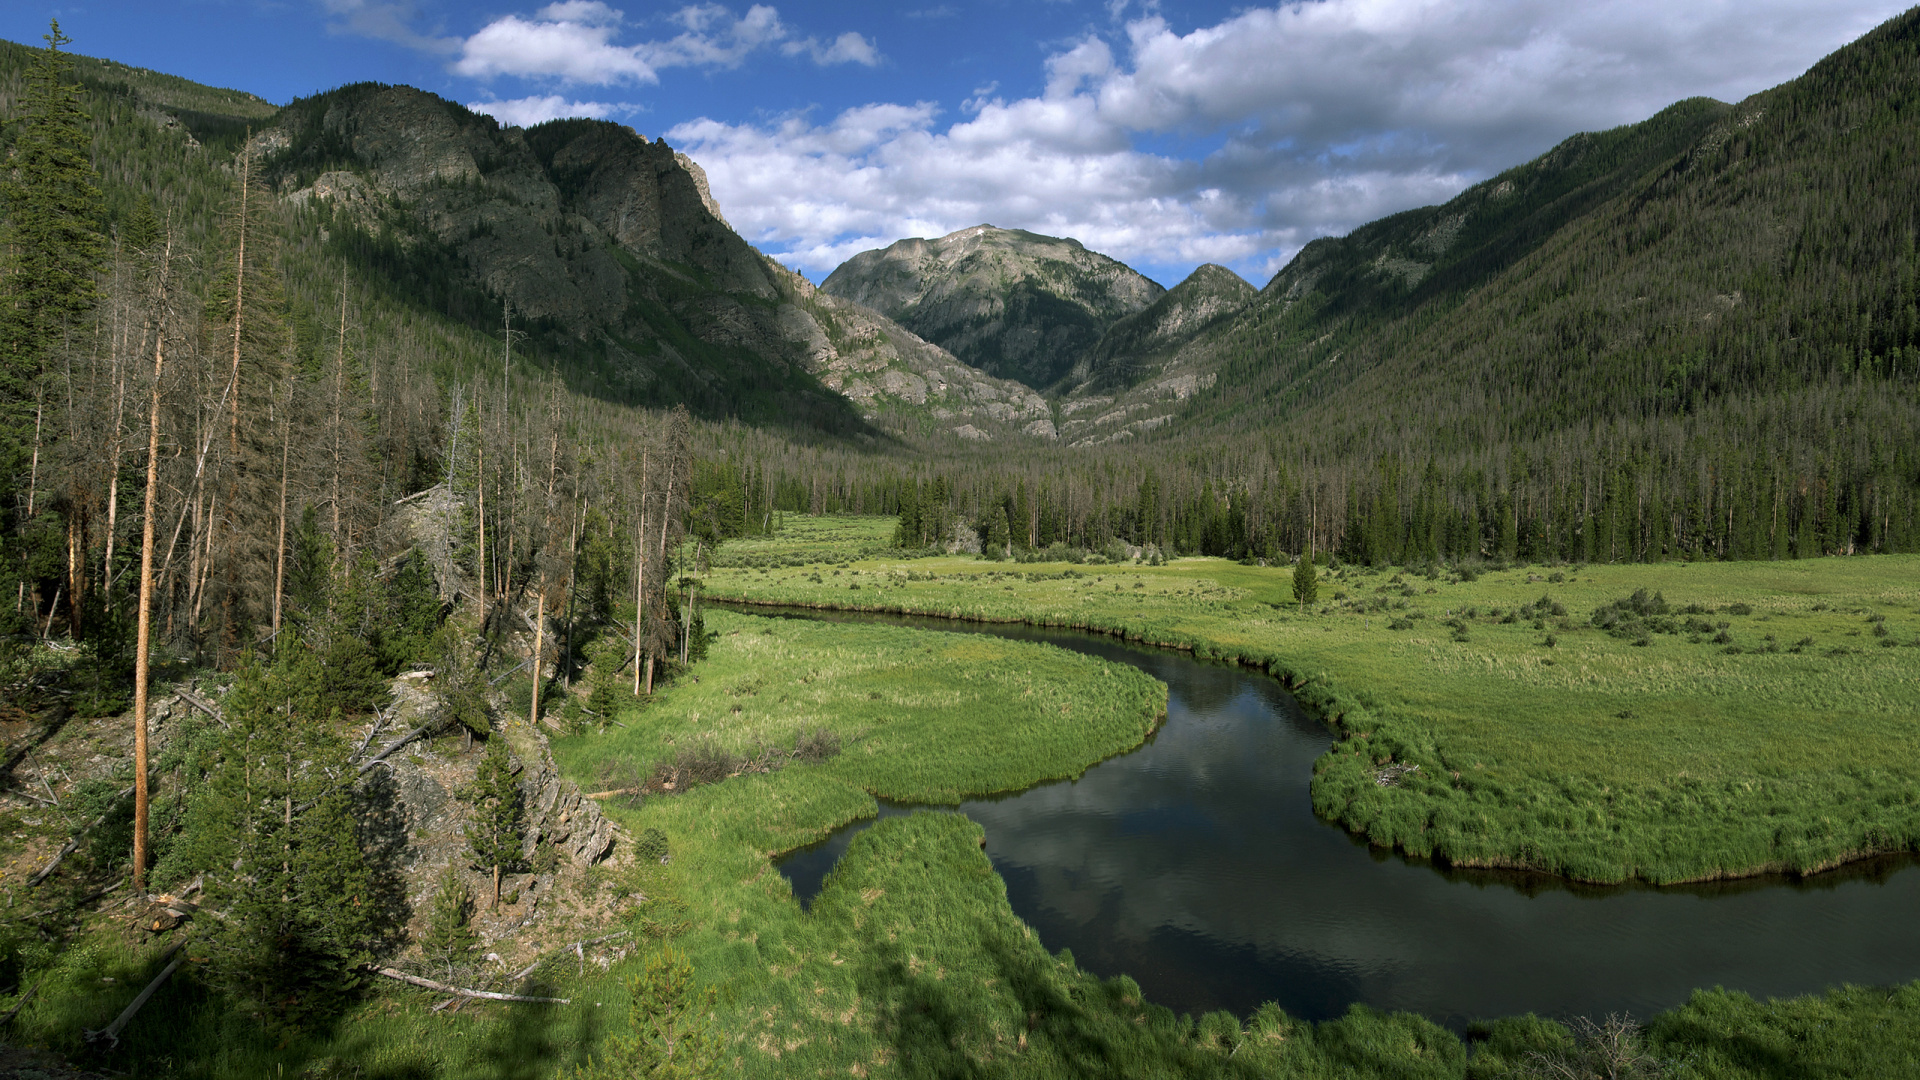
1012,303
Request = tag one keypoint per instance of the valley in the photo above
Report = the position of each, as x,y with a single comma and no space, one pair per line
460,581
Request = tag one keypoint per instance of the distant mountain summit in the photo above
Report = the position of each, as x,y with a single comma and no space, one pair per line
1012,303
615,257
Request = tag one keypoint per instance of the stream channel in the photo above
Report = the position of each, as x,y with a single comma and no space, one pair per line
1196,865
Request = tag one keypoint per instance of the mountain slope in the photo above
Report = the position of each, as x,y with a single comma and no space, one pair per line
1012,303
1136,377
609,248
1716,252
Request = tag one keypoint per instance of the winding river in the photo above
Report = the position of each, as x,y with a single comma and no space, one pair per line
1195,864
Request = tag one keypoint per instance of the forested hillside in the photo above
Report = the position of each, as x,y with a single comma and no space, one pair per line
1691,337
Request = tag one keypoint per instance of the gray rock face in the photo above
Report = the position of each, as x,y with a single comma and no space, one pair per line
1137,377
596,234
1014,304
1143,344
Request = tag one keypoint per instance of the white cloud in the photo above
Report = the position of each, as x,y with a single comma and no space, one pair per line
575,41
571,50
528,111
1241,141
848,48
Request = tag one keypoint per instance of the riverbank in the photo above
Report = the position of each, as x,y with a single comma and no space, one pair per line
911,961
1738,719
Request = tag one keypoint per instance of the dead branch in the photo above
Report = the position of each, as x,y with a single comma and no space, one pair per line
21,1004
613,793
73,845
489,995
564,949
111,1033
190,699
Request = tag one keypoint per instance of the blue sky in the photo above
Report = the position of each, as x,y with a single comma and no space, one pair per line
1163,134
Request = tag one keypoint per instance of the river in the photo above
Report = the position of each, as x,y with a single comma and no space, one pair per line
1196,865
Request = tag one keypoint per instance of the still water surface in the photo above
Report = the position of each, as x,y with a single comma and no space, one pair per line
1196,865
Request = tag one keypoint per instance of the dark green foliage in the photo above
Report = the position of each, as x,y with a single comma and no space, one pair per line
669,1035
102,678
449,937
1306,585
459,683
272,827
407,635
650,846
52,228
497,833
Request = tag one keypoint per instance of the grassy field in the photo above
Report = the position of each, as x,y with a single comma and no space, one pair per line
911,963
1739,718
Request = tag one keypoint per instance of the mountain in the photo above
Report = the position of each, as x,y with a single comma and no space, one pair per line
1135,377
1014,304
616,261
1709,262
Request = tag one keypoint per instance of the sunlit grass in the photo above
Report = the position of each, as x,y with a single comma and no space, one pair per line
1783,740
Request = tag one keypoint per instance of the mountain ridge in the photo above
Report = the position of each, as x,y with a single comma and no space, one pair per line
1012,303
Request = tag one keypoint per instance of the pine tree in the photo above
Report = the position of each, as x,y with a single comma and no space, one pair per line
53,210
1306,584
497,834
669,1032
449,935
272,828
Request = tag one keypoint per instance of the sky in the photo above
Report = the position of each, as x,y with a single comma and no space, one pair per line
1165,135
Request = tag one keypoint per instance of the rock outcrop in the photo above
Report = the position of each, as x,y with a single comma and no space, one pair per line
611,246
1013,304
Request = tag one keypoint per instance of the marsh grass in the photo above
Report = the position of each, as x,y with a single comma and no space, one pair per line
1670,722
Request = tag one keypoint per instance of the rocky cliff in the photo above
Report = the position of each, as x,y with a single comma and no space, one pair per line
613,254
1013,304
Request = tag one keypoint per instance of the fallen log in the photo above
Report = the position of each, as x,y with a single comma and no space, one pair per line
111,1033
189,698
22,1003
73,845
612,793
461,991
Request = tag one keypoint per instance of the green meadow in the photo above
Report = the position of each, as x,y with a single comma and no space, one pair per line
1736,718
911,963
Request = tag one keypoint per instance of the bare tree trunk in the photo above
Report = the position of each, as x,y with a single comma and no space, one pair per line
640,579
339,391
143,634
280,541
573,547
480,471
240,290
539,632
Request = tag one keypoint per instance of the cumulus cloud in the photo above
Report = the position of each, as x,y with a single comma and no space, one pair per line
528,111
1284,123
576,41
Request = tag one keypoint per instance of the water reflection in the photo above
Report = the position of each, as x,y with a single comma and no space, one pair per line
1195,864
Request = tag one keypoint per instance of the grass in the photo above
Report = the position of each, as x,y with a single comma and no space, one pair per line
910,962
1763,723
803,539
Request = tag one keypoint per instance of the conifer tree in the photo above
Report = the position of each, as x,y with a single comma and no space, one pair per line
1306,584
497,834
449,935
53,210
669,1034
272,827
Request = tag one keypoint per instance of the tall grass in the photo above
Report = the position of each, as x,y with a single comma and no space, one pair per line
1761,723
